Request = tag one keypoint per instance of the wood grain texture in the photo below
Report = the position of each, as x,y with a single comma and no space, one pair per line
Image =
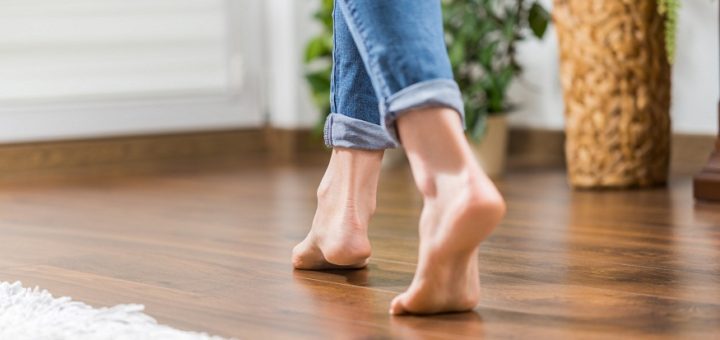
209,250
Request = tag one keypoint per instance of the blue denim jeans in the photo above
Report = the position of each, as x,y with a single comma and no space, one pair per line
389,57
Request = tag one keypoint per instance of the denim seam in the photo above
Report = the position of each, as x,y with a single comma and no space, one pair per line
333,77
327,134
355,25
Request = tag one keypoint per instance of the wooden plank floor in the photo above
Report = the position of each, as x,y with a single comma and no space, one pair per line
209,251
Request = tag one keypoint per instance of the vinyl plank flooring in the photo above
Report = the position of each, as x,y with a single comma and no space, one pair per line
209,251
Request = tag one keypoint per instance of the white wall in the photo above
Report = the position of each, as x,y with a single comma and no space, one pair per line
695,76
288,26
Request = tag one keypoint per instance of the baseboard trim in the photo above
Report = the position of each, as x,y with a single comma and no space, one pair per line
533,148
545,148
287,145
528,148
72,157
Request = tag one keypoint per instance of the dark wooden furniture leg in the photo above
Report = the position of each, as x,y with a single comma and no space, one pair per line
706,185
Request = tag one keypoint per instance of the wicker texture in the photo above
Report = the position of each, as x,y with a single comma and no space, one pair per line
616,82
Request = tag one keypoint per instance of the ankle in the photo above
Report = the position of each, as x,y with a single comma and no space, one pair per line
353,203
350,182
474,191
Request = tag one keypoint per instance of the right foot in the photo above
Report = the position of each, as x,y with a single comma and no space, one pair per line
451,228
461,208
346,201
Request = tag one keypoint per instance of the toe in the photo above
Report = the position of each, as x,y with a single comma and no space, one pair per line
297,260
304,257
397,306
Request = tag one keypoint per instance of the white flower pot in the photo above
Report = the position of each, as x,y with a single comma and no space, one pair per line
491,151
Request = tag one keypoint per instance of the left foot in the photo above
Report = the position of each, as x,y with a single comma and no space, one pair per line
346,201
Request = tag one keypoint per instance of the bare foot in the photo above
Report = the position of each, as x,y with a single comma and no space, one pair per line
346,201
461,208
451,228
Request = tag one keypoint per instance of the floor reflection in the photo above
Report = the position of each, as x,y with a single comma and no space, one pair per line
349,308
435,327
346,309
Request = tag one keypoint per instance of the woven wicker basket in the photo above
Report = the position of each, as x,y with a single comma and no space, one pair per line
616,81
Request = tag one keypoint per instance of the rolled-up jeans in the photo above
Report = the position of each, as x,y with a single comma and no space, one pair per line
389,57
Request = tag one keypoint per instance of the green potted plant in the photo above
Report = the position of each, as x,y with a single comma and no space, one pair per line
482,38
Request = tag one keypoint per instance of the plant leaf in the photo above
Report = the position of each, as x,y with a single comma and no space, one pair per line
317,47
319,81
487,54
457,51
538,19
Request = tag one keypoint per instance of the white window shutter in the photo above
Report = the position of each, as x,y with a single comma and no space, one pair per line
99,56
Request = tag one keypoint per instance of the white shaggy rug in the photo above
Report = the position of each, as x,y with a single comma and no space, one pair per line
35,314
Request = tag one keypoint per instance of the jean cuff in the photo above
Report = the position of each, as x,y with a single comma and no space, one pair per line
347,132
430,93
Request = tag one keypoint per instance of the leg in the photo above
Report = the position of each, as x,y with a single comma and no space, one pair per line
346,196
401,42
461,208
